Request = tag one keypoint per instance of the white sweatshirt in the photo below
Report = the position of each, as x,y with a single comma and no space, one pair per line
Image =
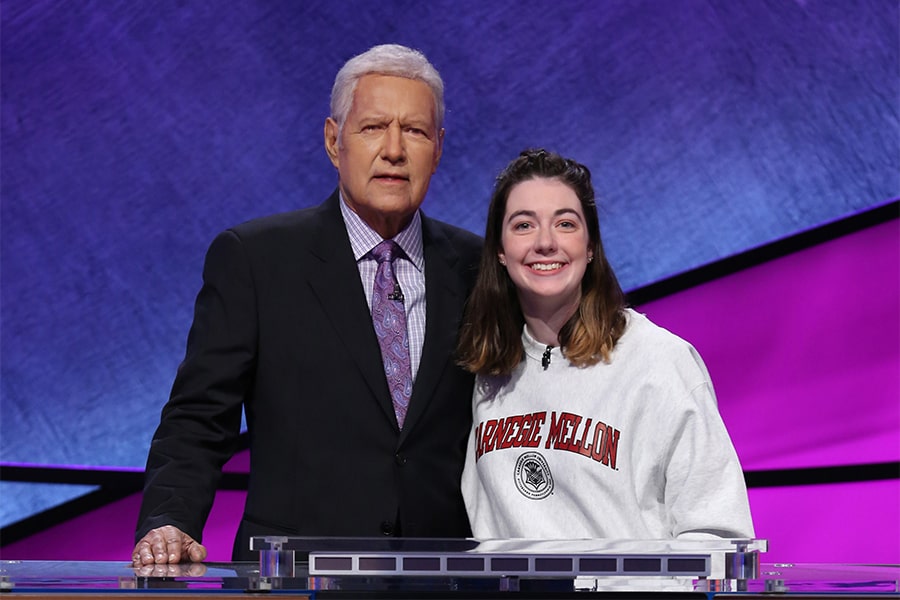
633,449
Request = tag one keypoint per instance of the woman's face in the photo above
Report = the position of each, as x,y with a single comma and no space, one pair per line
545,244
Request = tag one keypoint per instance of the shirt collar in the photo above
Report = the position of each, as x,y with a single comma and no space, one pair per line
537,350
363,238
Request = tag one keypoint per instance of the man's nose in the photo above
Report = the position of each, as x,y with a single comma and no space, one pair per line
393,148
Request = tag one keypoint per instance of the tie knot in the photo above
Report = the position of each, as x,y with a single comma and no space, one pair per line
387,250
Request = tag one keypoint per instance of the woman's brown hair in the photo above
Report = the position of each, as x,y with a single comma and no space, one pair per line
491,335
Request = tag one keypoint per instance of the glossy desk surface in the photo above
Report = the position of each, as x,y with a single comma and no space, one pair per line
119,579
368,568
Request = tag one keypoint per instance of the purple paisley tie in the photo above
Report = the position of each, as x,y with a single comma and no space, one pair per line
389,318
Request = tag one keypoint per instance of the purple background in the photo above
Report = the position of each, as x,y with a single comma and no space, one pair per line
132,132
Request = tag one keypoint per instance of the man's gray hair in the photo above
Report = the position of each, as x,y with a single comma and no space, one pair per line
386,59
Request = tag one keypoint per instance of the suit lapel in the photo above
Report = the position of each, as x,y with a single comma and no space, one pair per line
337,286
444,295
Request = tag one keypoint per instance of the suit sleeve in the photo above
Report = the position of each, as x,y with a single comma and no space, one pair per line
200,423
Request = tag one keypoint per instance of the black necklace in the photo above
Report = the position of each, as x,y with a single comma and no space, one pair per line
545,359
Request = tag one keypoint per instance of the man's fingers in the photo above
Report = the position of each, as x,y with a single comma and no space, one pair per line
196,552
158,546
173,543
167,545
142,554
163,545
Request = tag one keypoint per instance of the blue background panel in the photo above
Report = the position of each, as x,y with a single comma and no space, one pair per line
132,132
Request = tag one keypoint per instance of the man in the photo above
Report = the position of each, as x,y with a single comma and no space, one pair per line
282,327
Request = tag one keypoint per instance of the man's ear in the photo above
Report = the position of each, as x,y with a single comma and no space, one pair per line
331,141
439,151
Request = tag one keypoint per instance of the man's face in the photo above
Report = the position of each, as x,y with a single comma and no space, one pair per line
387,151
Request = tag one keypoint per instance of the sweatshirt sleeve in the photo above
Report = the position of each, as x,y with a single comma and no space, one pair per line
705,492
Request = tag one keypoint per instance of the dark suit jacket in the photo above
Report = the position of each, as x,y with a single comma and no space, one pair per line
282,328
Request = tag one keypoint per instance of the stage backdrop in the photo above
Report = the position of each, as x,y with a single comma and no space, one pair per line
132,132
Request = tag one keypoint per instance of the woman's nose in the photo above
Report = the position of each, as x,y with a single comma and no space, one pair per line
546,240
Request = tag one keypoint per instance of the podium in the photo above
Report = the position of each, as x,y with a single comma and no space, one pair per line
407,568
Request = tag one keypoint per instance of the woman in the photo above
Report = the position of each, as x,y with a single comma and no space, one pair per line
589,420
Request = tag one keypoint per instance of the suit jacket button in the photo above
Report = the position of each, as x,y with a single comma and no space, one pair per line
387,528
400,459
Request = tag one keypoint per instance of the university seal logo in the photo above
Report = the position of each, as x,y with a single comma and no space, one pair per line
533,477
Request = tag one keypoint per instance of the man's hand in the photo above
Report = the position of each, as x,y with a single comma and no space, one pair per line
167,544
